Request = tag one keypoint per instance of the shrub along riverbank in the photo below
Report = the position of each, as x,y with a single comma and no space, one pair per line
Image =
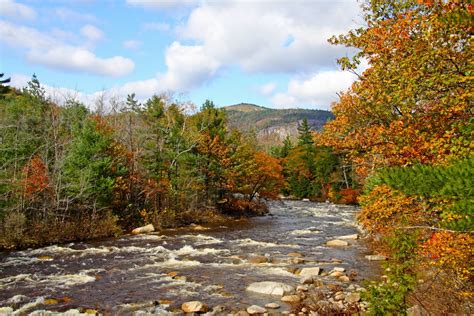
406,125
70,174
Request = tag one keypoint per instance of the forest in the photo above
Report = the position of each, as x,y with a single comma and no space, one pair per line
400,146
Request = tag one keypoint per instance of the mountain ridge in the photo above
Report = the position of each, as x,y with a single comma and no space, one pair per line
272,126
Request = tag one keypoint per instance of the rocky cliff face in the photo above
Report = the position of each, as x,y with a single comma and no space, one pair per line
287,130
272,126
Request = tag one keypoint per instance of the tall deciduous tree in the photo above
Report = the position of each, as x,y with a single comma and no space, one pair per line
414,101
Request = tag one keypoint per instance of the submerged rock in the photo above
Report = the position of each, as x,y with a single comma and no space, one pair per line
144,229
270,288
194,307
272,305
337,243
258,259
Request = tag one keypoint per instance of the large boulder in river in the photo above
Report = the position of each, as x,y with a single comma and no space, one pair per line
144,229
194,307
270,288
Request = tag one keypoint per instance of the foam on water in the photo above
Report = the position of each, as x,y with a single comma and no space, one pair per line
304,232
28,306
189,250
54,280
204,239
247,242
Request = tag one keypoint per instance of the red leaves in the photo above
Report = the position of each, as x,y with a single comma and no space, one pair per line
35,177
349,195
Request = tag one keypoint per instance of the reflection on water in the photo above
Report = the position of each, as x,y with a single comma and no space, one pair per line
118,276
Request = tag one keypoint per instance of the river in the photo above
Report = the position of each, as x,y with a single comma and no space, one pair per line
160,271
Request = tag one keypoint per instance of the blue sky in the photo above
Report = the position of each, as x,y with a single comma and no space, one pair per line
269,52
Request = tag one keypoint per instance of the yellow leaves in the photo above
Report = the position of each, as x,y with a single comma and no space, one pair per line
384,208
450,251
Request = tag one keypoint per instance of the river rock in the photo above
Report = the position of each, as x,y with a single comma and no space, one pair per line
270,288
198,227
172,274
194,307
306,279
255,309
348,237
339,296
295,254
340,269
297,261
344,278
375,257
302,288
218,309
6,310
272,305
313,271
337,243
258,259
336,274
144,229
291,299
353,298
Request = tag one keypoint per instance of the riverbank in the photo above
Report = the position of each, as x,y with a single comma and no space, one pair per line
19,233
215,265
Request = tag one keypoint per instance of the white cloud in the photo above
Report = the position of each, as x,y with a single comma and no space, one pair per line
318,90
267,89
270,37
16,10
188,67
77,59
92,33
162,4
277,36
156,26
46,50
69,15
132,44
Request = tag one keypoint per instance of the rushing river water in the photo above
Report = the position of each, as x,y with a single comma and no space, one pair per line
119,276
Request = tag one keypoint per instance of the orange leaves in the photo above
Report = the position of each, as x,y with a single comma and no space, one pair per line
35,177
450,251
384,208
349,195
269,173
409,106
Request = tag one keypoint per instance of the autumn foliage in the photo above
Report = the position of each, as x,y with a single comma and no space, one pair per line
406,125
35,177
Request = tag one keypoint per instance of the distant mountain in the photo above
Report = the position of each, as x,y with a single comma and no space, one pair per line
273,125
